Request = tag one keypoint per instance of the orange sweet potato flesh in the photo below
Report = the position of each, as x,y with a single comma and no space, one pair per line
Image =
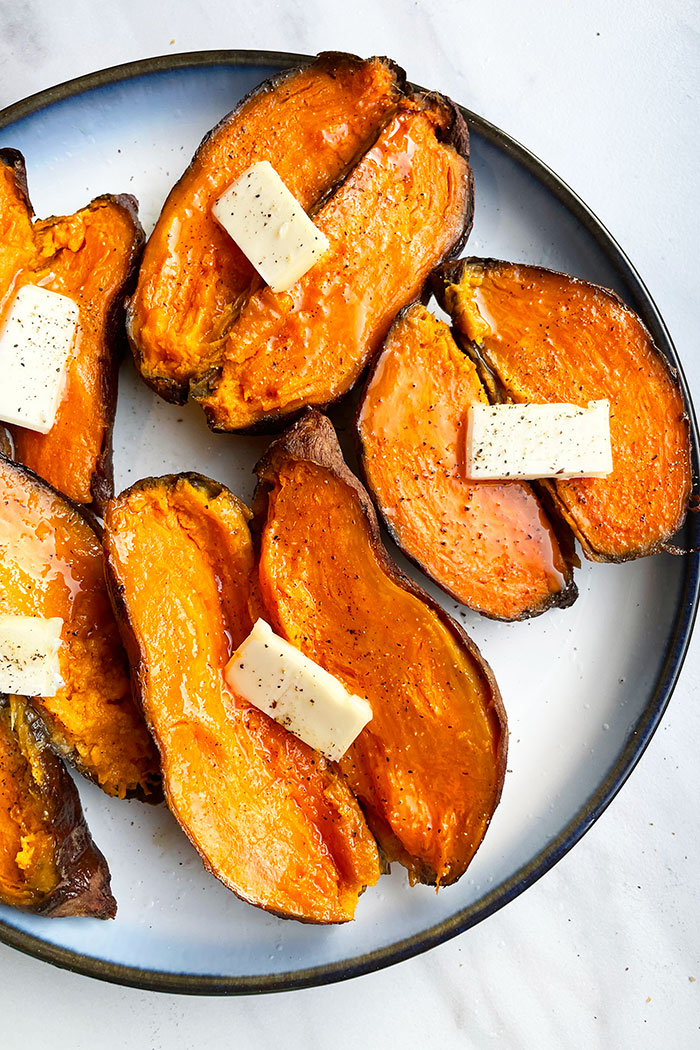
401,209
90,257
310,124
51,564
271,818
548,337
428,769
489,545
48,861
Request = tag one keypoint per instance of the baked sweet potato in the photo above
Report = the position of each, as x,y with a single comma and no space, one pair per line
544,337
490,546
401,209
48,861
91,257
428,769
272,819
310,124
51,564
385,174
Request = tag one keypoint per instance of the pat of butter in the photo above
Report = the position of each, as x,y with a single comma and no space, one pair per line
308,701
35,347
538,441
270,227
29,662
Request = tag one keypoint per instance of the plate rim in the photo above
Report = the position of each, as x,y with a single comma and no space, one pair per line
644,728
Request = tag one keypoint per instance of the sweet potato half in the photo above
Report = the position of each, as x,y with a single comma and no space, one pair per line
428,769
48,861
91,257
385,174
491,546
543,336
51,564
272,819
310,124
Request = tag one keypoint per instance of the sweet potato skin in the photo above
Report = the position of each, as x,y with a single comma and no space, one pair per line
489,546
594,347
49,863
176,328
270,818
92,257
7,445
376,766
51,564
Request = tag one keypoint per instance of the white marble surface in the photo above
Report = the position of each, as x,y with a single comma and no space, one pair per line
604,950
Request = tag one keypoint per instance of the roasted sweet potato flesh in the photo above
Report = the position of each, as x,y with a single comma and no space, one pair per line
386,177
310,125
489,545
89,257
548,337
269,816
428,769
48,861
401,209
51,564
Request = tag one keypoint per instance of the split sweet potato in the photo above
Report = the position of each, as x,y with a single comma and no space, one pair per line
402,208
48,861
385,174
271,818
51,564
544,337
90,257
489,545
310,124
428,769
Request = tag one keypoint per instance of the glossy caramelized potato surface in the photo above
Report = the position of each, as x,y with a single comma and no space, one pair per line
548,337
271,818
399,211
51,564
310,124
90,257
428,769
384,173
489,545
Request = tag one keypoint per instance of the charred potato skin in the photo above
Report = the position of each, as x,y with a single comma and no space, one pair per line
451,272
14,160
84,881
114,340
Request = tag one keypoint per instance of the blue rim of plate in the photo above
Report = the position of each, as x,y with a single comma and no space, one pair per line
588,813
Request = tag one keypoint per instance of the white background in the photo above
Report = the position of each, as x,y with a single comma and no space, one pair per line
605,949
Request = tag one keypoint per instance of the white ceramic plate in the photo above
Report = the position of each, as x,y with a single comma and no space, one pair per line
584,687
